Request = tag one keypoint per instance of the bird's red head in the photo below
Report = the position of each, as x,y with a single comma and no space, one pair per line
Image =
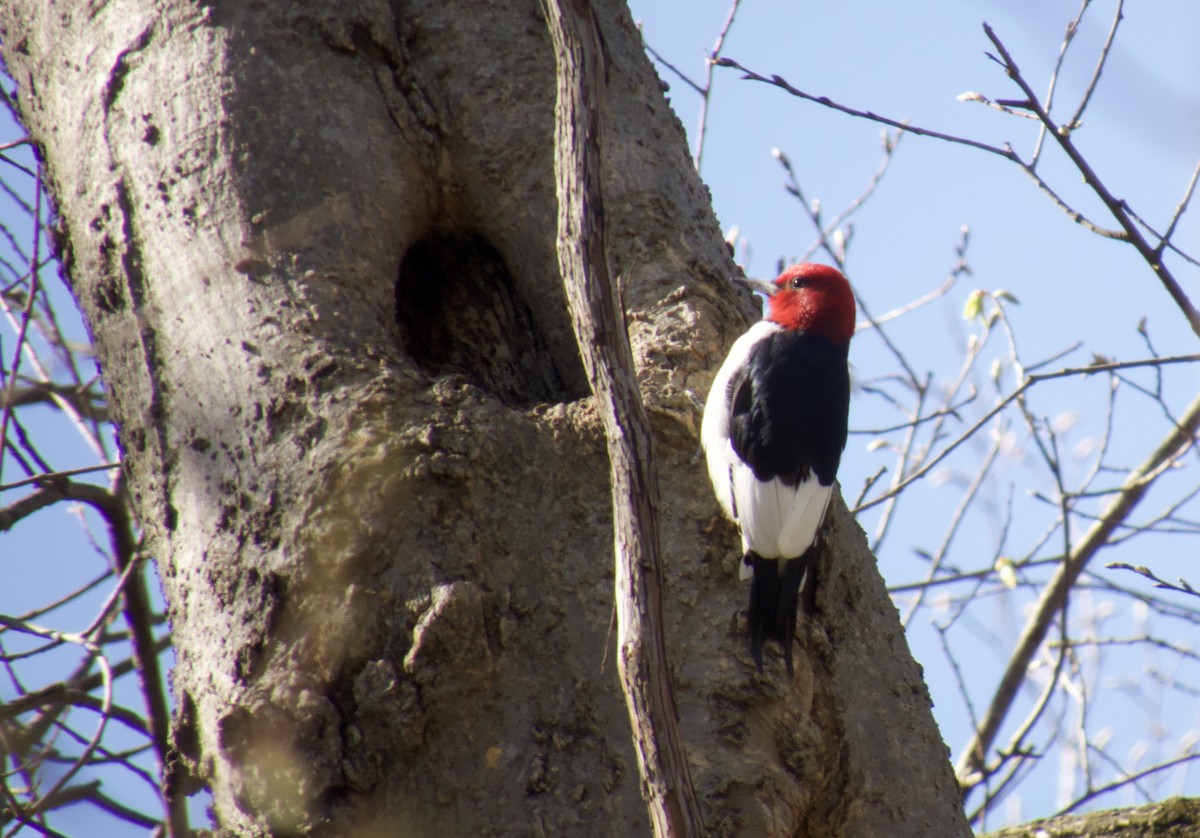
815,298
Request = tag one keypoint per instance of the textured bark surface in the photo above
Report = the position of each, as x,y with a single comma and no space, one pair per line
314,243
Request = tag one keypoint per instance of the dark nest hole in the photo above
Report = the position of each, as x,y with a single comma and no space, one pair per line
460,312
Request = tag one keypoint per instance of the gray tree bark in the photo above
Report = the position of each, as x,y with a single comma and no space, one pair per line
315,245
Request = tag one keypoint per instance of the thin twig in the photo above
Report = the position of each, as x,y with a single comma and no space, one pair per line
22,330
50,476
1095,539
1029,381
782,84
682,75
1183,587
1132,778
1116,206
1074,122
706,92
956,519
1180,209
1068,37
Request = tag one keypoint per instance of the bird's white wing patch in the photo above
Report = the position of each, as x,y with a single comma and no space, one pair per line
778,521
721,462
803,520
714,429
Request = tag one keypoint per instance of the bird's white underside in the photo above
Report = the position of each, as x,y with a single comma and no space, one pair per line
777,521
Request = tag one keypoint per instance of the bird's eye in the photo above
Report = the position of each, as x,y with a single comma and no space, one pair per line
796,283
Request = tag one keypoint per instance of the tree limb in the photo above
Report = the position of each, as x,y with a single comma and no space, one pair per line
604,345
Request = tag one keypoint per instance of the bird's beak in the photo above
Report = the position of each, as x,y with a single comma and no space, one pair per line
762,286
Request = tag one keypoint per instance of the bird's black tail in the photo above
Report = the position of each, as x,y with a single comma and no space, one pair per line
774,594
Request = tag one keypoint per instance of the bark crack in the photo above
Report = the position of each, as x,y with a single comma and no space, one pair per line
156,404
120,69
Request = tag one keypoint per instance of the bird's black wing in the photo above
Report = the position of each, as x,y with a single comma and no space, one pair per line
789,408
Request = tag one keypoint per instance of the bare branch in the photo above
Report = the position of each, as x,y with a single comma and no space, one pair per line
1068,37
706,92
682,75
1129,229
90,793
782,84
26,317
1124,781
604,346
1183,587
1118,208
1064,578
52,476
1074,122
1180,209
1028,382
956,518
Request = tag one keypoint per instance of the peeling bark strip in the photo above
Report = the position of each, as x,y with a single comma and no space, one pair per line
608,359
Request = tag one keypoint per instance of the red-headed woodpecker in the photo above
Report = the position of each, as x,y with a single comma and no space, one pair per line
774,429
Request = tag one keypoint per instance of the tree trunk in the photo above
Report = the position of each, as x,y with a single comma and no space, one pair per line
315,245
